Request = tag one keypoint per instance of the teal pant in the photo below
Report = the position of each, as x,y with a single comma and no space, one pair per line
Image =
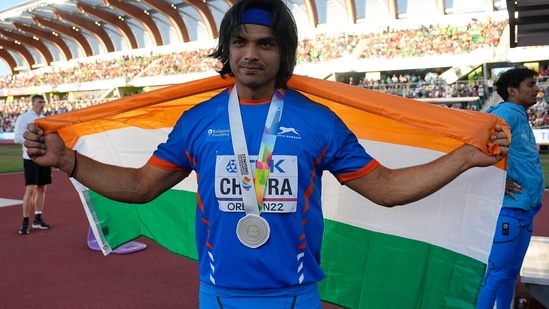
511,240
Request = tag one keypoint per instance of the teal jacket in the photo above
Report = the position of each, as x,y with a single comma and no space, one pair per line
524,166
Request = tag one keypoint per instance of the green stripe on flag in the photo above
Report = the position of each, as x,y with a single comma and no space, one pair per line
398,273
169,220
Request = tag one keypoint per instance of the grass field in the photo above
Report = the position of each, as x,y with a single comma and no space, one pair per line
10,161
10,158
544,158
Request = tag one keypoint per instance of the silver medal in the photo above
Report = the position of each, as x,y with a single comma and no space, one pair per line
253,231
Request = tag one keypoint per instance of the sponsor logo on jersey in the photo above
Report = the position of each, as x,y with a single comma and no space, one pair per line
219,133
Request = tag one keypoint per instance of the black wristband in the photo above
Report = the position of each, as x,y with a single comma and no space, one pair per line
71,175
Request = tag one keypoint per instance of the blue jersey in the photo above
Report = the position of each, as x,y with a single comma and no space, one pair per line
311,139
523,164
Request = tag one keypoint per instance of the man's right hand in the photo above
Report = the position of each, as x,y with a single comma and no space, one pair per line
47,150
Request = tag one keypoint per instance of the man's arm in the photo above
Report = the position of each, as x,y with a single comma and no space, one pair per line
131,185
20,128
392,187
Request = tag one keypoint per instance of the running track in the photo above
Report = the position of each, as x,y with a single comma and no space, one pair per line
55,269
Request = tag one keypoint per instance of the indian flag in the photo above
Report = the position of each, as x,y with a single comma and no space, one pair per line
428,254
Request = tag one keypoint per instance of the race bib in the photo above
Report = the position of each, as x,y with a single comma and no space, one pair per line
280,191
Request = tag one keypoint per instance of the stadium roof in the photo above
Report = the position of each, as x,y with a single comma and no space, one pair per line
37,33
41,32
529,22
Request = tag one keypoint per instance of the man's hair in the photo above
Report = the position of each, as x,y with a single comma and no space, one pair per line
283,27
512,78
37,96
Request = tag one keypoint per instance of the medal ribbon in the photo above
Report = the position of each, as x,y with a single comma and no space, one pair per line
253,188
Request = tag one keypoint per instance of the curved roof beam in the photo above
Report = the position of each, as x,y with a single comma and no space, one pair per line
37,45
47,36
77,36
8,58
350,8
25,53
173,15
135,12
206,16
393,8
312,12
84,23
112,19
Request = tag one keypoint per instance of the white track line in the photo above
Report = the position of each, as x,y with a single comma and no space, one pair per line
9,202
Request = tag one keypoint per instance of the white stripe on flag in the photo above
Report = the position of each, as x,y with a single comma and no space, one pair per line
458,217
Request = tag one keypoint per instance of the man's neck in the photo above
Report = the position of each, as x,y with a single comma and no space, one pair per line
255,94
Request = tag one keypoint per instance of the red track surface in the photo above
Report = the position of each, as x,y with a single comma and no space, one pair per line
55,268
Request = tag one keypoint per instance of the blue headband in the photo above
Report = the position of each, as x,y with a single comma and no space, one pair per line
256,17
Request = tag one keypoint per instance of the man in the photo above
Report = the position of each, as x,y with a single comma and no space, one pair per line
36,177
252,257
523,191
490,85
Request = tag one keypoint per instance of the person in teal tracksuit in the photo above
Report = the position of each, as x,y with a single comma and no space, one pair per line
523,191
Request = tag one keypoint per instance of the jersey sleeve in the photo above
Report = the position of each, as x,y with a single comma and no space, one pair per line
173,153
345,157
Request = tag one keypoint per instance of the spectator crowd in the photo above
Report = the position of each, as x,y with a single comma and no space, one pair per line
11,109
390,43
424,41
430,85
433,40
539,113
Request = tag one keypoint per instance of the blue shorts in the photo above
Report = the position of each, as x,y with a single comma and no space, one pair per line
298,297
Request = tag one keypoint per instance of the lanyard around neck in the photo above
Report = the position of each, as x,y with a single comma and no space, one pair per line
253,188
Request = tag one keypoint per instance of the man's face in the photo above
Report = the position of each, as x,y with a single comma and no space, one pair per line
525,94
255,57
38,105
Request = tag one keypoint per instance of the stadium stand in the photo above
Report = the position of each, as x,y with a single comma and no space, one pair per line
83,81
80,54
